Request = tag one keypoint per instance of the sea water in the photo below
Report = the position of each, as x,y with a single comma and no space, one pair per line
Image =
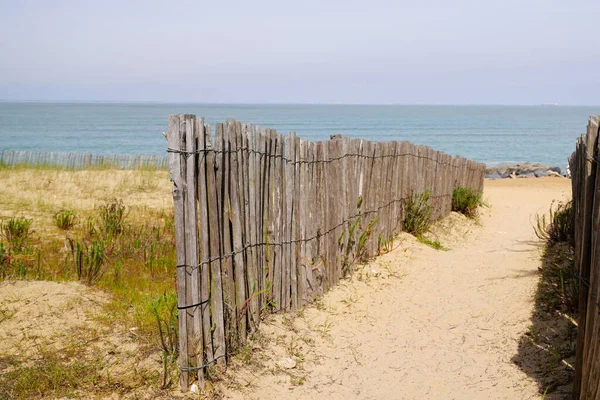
490,134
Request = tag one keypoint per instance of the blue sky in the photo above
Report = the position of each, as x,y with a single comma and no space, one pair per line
259,51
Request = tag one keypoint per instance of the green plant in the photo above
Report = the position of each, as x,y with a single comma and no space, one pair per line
88,260
417,213
16,231
65,219
164,309
431,243
112,217
466,201
558,226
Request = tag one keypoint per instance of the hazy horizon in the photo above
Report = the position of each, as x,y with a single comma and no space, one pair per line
268,52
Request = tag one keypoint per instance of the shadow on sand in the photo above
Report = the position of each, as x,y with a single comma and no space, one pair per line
546,351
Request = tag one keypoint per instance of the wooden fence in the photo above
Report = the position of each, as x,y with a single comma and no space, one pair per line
586,208
14,158
266,222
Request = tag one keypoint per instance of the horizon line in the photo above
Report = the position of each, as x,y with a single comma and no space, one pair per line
547,105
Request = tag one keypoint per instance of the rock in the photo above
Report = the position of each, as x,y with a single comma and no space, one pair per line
527,175
493,176
513,175
555,169
194,388
555,174
526,171
286,363
539,173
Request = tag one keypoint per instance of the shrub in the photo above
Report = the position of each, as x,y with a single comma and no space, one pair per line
466,201
112,217
16,231
65,219
558,226
417,214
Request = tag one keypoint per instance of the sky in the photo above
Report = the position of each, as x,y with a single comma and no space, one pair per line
310,51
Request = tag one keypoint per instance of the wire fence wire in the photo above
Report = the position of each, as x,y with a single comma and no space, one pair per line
327,161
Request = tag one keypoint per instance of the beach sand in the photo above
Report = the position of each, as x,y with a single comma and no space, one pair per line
417,323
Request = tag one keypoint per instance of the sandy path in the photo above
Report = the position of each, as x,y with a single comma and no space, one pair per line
419,323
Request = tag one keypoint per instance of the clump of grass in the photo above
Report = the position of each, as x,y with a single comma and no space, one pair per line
65,219
16,231
417,213
466,201
436,244
558,226
164,309
112,217
88,260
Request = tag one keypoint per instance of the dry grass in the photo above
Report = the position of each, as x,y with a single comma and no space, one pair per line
138,274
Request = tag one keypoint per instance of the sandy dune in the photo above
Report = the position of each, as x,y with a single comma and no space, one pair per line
417,323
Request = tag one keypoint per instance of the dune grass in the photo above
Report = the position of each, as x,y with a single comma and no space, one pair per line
113,229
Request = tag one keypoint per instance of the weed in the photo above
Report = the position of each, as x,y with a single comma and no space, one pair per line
417,215
112,217
65,219
297,380
559,226
16,231
466,201
326,328
164,309
431,243
88,260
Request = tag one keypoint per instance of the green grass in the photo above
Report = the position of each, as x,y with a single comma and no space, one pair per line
466,201
557,226
65,219
16,232
417,213
431,243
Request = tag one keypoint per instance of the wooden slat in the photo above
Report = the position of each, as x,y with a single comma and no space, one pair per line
296,301
201,275
176,141
222,146
289,261
214,230
237,226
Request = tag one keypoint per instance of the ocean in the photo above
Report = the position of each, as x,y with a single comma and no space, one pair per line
490,134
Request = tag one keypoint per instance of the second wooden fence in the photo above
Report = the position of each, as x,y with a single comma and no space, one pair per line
266,222
586,210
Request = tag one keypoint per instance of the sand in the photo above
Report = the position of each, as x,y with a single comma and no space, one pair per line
417,323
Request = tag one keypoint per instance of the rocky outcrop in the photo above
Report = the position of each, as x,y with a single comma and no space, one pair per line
525,170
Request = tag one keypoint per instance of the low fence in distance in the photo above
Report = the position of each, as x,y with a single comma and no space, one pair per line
13,158
586,209
266,222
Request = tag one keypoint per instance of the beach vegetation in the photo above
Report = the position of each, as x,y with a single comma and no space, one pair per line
124,247
435,244
558,225
65,219
16,231
466,201
418,213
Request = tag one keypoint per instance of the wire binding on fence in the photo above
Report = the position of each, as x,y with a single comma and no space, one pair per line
199,367
187,154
